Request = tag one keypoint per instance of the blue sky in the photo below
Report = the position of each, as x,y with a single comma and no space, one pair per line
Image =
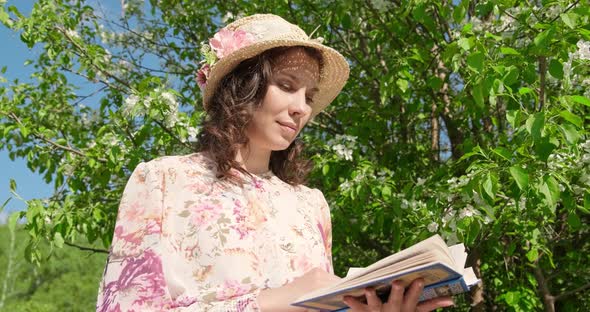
13,54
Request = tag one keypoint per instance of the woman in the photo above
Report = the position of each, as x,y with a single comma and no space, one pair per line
231,228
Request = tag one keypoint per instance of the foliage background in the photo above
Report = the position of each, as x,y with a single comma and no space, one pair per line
464,118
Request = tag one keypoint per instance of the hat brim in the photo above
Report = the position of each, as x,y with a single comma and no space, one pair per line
333,74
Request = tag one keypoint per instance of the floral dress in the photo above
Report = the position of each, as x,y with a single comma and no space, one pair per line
186,241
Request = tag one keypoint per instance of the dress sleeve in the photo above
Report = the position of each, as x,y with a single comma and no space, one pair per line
325,227
133,279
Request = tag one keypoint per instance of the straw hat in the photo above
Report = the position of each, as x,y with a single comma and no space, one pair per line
252,35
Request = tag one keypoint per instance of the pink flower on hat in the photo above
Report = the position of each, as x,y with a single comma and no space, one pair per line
203,75
227,41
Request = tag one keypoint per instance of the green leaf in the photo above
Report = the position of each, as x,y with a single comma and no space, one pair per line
12,185
543,39
459,13
535,124
569,19
587,202
532,254
475,61
435,82
574,221
524,90
5,203
544,148
513,117
550,189
465,43
508,51
346,21
574,119
511,76
489,186
580,99
478,94
4,17
521,176
402,84
386,192
556,69
58,240
570,133
325,169
502,152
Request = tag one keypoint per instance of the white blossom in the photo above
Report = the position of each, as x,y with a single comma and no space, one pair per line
433,227
227,17
468,211
192,133
583,50
130,104
170,98
72,33
345,186
342,151
404,204
381,5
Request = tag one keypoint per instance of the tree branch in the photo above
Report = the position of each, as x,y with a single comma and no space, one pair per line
99,250
571,292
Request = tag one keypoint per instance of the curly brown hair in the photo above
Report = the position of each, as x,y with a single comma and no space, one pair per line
232,106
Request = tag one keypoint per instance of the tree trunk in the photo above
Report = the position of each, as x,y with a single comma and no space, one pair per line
477,292
434,133
548,299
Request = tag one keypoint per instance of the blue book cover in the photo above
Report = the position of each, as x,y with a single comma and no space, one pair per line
443,277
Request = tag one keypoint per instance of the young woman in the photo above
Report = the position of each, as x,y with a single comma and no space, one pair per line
232,227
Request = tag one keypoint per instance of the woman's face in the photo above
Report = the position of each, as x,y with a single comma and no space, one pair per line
286,106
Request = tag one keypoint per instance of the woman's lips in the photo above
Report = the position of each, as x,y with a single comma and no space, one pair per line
288,125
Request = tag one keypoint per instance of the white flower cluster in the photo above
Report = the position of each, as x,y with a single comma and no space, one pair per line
193,132
583,52
381,5
134,105
172,107
343,146
72,33
457,183
432,227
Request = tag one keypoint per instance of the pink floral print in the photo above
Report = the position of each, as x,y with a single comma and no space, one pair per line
185,241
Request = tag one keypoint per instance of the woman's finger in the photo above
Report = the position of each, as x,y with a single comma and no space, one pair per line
432,304
354,304
396,297
373,301
412,295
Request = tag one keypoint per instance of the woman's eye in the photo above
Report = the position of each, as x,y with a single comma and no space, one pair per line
309,99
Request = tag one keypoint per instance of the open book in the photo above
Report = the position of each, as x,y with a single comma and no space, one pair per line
441,267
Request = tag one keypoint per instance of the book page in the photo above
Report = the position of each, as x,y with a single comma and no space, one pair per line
434,242
459,256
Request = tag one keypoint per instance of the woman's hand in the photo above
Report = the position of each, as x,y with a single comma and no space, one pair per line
398,301
279,299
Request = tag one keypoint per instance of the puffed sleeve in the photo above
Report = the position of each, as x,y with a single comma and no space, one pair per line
325,228
134,277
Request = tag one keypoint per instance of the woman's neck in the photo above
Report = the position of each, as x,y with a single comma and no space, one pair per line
254,160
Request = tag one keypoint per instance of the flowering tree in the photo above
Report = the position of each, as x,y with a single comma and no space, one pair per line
464,118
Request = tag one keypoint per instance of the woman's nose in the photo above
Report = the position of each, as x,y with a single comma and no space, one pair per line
299,102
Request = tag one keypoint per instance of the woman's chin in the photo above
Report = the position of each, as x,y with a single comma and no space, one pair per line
281,145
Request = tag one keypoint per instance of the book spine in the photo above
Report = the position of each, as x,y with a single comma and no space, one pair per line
447,288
